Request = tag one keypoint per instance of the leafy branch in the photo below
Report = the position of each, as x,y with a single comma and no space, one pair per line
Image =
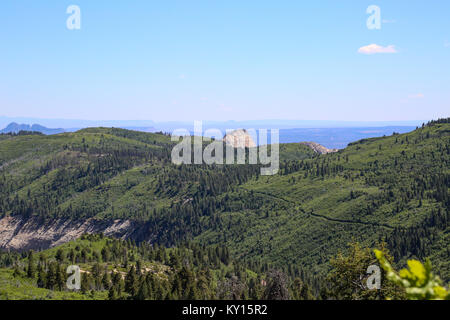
419,281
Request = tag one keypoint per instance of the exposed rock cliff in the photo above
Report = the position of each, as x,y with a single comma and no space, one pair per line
319,148
16,233
239,139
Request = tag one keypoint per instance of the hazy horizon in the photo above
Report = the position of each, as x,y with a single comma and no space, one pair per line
68,123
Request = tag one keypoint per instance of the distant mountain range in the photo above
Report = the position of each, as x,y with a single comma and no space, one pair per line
73,124
331,137
14,127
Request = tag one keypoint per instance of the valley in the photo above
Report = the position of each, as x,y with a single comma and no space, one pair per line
121,183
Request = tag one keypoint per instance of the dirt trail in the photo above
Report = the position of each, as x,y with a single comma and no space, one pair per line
383,225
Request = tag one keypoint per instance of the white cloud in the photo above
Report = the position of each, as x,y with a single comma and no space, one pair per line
447,44
416,96
375,48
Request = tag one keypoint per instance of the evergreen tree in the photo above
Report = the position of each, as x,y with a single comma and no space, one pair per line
31,270
112,293
131,281
277,287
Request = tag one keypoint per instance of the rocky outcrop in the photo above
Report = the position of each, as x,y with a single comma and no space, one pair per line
17,233
319,148
239,139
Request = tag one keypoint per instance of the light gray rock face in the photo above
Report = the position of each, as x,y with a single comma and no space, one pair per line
239,139
319,148
17,233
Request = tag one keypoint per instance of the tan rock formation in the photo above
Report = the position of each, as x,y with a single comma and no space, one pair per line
239,139
319,148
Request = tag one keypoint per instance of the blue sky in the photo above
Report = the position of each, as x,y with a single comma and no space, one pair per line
225,60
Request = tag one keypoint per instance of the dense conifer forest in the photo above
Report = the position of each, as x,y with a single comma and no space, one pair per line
222,231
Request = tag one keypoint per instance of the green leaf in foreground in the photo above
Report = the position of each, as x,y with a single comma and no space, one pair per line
419,281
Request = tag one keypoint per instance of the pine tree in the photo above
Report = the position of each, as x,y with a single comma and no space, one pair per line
41,281
85,283
106,281
112,293
60,277
276,286
131,282
143,290
60,256
17,272
31,270
51,276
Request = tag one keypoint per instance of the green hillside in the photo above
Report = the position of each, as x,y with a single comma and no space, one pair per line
116,269
393,188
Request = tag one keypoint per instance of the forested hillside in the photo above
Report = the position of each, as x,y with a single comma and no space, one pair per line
393,188
114,269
